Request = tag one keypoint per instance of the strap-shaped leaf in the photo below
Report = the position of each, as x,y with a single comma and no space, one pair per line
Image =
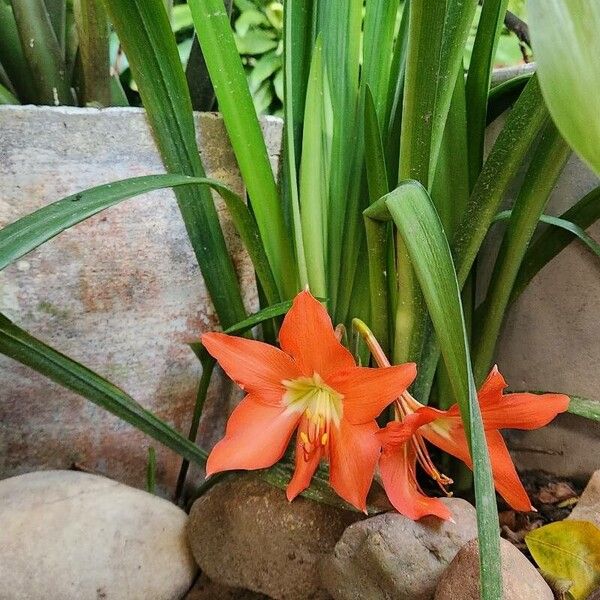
24,348
414,214
145,31
31,231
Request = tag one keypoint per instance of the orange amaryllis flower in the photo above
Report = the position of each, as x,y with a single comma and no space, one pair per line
445,430
313,385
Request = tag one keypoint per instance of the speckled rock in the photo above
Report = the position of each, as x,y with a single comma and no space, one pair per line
392,557
520,578
75,536
244,533
205,589
588,507
121,292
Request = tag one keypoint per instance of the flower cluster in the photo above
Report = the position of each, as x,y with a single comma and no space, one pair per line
312,386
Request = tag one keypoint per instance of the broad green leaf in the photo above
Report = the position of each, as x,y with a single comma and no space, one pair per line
255,41
546,165
24,348
414,215
235,104
583,407
566,44
29,232
569,551
7,97
152,53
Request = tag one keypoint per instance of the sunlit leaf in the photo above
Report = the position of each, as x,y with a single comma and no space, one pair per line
566,44
568,551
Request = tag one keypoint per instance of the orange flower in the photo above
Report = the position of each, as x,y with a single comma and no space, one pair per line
313,385
445,430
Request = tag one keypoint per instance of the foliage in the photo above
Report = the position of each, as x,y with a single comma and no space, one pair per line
385,196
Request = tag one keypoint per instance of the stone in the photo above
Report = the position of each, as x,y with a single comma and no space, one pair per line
520,578
588,507
244,533
73,536
391,556
205,589
120,292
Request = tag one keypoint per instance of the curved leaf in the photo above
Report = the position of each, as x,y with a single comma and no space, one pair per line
566,44
29,232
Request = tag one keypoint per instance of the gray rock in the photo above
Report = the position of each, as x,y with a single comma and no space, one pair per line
520,578
244,533
120,292
392,557
205,589
588,507
76,536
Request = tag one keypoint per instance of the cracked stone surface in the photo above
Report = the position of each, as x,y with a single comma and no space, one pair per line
120,292
71,535
392,557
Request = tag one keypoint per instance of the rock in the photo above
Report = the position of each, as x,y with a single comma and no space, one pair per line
391,556
76,536
588,507
521,579
205,589
244,533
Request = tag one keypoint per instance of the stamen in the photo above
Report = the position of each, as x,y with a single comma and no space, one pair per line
324,439
304,438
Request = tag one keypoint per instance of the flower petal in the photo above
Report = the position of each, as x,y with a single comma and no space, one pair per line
353,454
506,478
448,434
522,411
491,389
397,466
257,436
307,334
305,469
368,391
256,367
396,433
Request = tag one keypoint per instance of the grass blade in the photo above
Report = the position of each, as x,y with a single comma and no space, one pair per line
417,221
27,350
235,104
154,59
31,231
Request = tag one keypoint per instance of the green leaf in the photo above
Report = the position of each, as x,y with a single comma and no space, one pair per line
6,97
152,53
92,32
550,243
583,407
235,104
151,471
43,53
415,217
24,348
565,40
545,168
568,551
29,232
523,125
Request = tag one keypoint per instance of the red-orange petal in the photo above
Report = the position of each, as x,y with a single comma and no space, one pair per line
397,466
491,389
257,436
506,478
368,391
353,454
307,334
522,411
306,465
256,367
396,433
